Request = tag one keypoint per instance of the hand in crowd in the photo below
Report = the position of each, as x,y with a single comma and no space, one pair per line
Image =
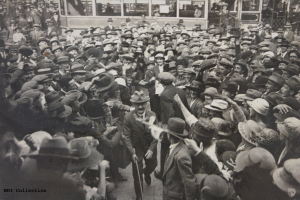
283,108
104,164
192,145
149,154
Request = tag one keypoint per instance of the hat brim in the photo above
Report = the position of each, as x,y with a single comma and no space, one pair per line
212,108
141,101
36,154
185,134
281,183
79,72
193,88
66,113
245,133
83,98
80,164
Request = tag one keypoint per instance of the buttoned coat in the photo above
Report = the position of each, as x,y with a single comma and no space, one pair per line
178,178
137,135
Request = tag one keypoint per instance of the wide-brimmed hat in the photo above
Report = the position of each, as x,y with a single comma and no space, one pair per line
72,48
30,85
176,126
57,109
53,147
217,105
272,98
256,156
195,85
215,185
74,95
52,97
139,97
252,94
56,48
78,69
68,30
104,83
25,51
261,106
290,127
246,129
287,178
267,137
222,126
204,127
87,156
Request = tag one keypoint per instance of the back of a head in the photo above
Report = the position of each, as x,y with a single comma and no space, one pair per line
224,145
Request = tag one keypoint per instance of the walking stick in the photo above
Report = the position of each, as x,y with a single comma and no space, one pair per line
137,167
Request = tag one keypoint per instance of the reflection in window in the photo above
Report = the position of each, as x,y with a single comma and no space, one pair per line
79,7
250,5
164,8
62,7
136,7
108,7
192,9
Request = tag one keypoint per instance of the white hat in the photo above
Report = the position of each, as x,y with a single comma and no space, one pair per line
113,72
217,105
121,81
261,106
99,71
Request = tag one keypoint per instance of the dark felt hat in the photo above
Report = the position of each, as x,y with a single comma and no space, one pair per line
204,127
176,126
139,97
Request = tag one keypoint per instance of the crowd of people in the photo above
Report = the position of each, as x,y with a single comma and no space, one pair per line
223,107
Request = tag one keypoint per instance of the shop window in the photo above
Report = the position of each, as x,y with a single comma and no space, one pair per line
136,7
164,8
192,9
108,7
250,5
79,7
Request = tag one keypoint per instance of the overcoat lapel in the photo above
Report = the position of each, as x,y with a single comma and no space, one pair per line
170,159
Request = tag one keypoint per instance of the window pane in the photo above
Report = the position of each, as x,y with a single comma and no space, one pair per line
193,9
136,7
62,7
164,8
80,7
250,5
108,7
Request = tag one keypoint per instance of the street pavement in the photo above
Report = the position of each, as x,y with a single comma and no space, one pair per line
125,190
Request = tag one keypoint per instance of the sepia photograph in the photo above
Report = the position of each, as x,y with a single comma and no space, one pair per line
149,100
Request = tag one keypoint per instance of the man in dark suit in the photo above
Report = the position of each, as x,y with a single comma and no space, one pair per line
36,34
168,109
139,141
178,178
109,27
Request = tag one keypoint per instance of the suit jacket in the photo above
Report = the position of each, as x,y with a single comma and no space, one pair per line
178,178
138,136
169,108
196,108
107,28
35,36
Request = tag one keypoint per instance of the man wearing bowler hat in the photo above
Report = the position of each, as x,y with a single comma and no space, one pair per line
109,27
139,141
178,178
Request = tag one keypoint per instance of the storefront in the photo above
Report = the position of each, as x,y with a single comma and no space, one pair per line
78,14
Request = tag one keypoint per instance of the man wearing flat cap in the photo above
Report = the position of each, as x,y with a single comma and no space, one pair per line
139,141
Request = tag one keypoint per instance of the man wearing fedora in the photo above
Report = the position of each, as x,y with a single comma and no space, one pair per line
139,141
109,27
79,75
36,34
178,178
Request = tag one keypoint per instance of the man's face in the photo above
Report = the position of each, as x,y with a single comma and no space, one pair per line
286,75
140,108
208,98
57,52
238,69
79,78
271,87
65,67
160,61
185,52
34,54
283,49
74,52
285,90
293,56
28,76
226,93
210,45
43,43
223,69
